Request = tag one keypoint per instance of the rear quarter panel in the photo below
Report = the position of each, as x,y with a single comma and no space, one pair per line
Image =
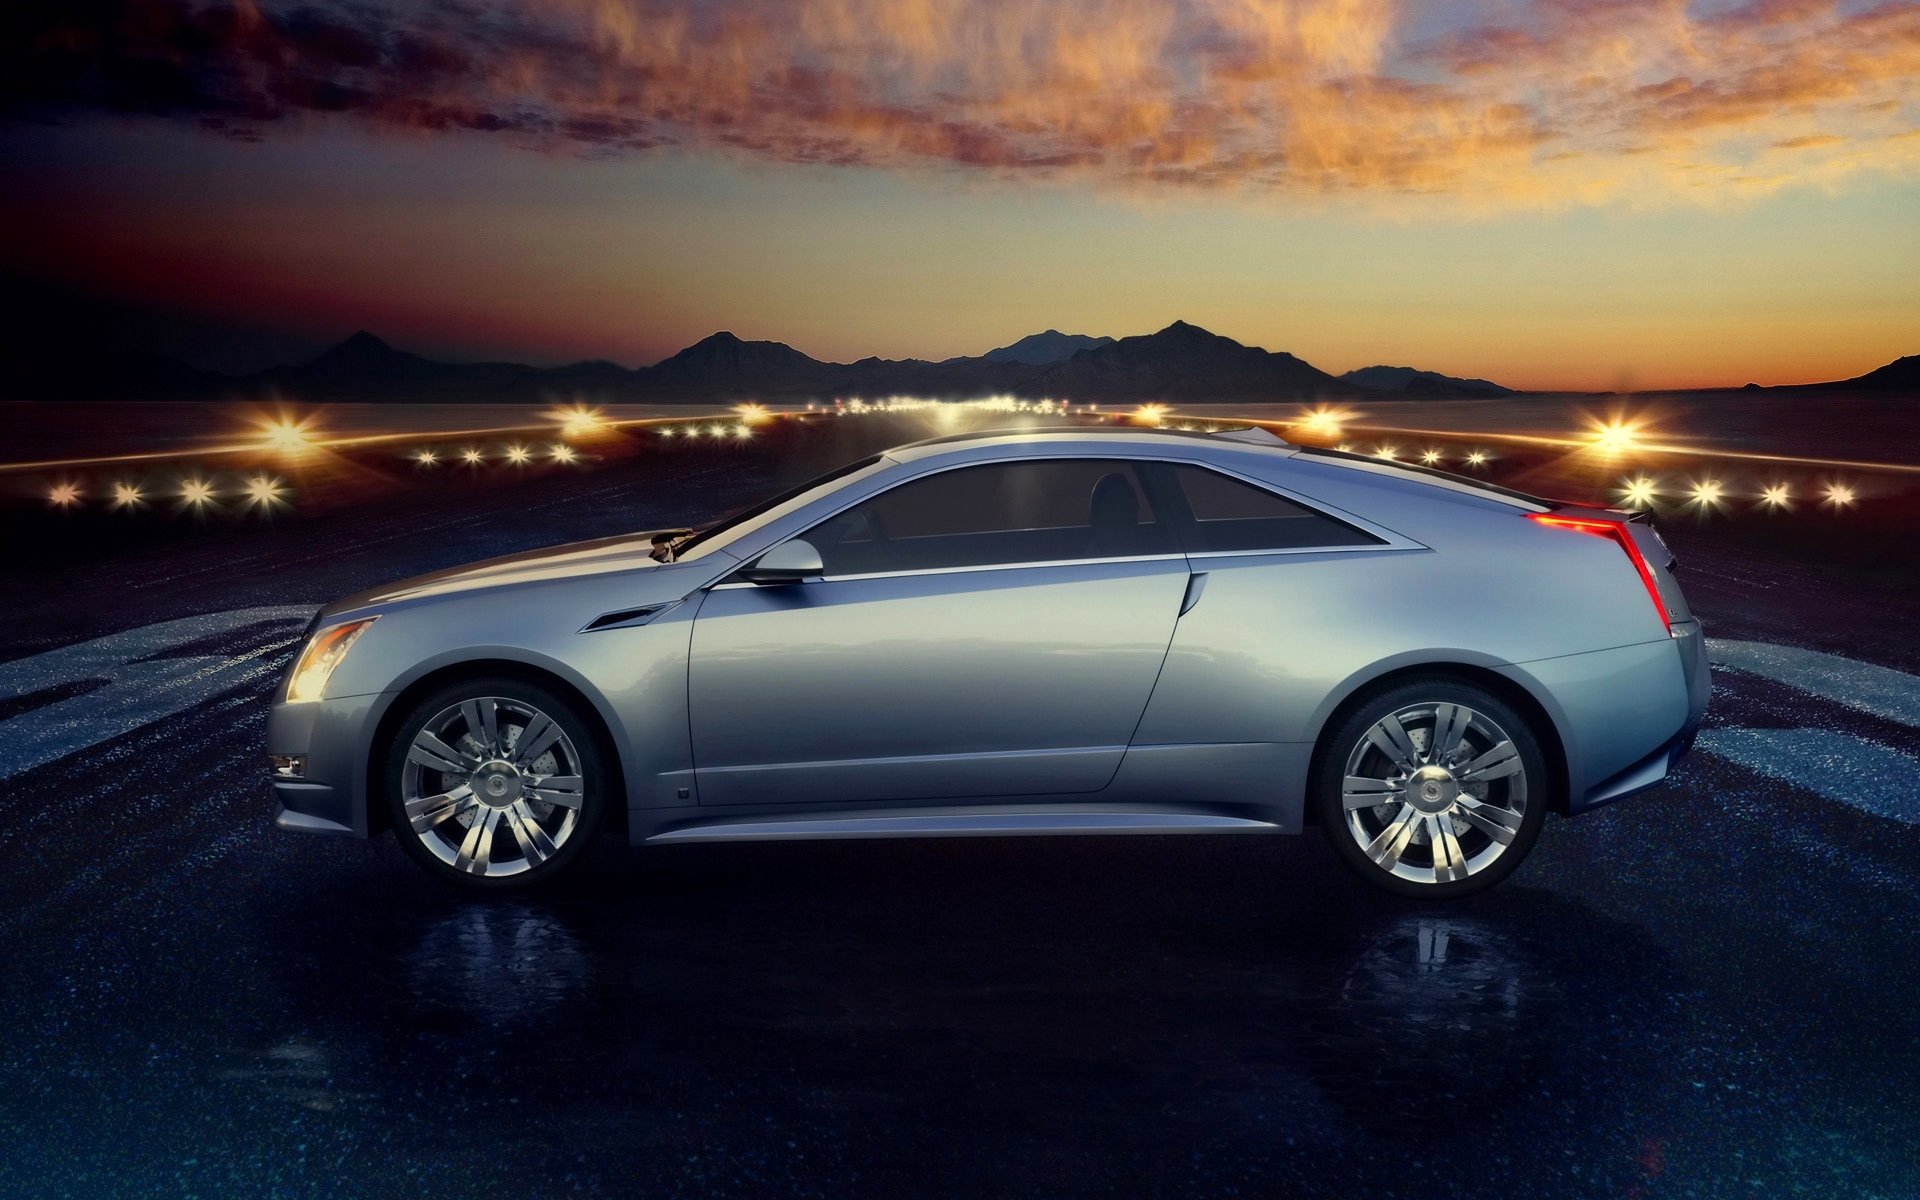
1277,642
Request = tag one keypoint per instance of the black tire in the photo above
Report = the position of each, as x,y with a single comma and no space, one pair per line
579,739
1327,789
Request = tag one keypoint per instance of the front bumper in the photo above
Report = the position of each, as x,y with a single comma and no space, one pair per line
328,794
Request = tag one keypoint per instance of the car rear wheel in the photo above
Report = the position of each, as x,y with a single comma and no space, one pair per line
1433,787
495,783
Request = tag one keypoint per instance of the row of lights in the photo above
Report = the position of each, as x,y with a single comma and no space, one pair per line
193,494
515,455
1642,491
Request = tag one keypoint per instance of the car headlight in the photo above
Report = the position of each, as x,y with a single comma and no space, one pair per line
317,662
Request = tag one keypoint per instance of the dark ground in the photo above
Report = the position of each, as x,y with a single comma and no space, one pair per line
1704,991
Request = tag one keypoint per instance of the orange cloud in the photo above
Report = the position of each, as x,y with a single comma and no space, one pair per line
1560,102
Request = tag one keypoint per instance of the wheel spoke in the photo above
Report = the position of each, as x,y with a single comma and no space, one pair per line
1498,763
535,845
428,811
564,790
430,751
1498,823
1449,863
483,723
1450,721
1392,842
1364,791
478,846
540,734
1390,738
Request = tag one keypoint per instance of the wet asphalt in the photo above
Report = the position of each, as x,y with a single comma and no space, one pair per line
1704,991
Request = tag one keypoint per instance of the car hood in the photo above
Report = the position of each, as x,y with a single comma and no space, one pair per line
626,553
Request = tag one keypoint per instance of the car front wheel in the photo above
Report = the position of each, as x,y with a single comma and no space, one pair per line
495,783
1432,788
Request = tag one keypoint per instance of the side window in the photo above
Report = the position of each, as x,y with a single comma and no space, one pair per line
1042,510
1231,515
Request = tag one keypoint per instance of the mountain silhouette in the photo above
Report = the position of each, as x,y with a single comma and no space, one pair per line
1900,375
1415,382
1040,349
1186,362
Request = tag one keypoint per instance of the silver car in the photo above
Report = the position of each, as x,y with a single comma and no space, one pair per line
1078,631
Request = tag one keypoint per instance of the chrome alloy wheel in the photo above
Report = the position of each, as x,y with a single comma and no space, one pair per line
1434,793
492,786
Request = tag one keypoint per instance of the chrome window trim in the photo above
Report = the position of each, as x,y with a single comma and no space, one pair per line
1020,566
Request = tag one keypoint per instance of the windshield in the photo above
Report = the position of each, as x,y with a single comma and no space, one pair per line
678,548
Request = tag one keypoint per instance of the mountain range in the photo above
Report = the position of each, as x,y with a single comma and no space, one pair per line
1182,363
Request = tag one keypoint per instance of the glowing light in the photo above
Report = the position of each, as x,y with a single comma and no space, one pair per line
1477,458
1430,457
1776,496
1707,493
713,431
562,453
472,457
196,493
742,432
1150,414
1344,448
752,414
63,495
1839,495
667,431
1639,492
1614,437
1388,451
285,435
578,421
1322,421
426,458
264,491
518,454
128,495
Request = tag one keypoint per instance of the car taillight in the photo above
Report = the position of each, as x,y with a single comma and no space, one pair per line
1618,533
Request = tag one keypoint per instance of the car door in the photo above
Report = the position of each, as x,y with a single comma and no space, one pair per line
979,631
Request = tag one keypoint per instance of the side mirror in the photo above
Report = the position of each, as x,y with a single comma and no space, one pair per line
789,562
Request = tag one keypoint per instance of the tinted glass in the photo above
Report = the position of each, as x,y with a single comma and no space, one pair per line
1231,515
1042,511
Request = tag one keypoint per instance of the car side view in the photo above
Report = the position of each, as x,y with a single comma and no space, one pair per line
1057,631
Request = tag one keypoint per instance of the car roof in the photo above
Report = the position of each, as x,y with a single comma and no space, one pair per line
1243,437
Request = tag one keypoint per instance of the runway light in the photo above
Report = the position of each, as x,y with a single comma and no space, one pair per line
1388,451
472,457
1150,414
196,493
1430,457
713,431
63,495
287,436
578,421
742,432
667,431
752,414
426,458
1776,496
128,495
1707,493
1322,421
1344,448
562,453
1839,495
264,492
1477,458
1614,437
1639,492
518,455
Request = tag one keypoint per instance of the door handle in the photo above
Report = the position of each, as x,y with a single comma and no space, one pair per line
1196,584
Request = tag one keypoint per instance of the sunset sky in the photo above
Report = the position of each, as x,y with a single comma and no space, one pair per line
1601,194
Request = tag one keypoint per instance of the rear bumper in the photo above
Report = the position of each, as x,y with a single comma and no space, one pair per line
329,795
1690,645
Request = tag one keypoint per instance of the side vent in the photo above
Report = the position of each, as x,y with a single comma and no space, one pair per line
625,618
